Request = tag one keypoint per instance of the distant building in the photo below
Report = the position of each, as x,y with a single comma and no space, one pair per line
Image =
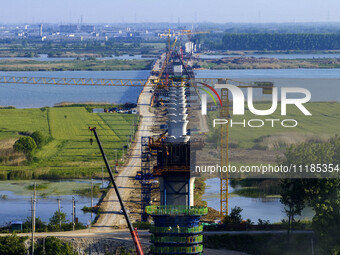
189,47
41,30
87,28
68,28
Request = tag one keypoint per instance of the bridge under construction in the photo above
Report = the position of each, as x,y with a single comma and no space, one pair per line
163,156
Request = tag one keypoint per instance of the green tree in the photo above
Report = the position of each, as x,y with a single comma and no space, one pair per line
322,194
234,217
38,138
54,246
12,245
293,197
40,226
27,145
55,220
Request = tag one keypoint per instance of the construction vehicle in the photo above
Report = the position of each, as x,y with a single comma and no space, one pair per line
133,231
153,144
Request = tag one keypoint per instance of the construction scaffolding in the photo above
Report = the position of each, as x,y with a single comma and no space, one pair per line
145,176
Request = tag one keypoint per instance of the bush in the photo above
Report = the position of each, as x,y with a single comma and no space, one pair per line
141,225
38,138
234,217
12,245
40,226
26,145
54,246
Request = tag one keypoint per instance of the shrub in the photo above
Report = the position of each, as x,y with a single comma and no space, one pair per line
234,217
38,138
54,246
26,145
141,225
12,245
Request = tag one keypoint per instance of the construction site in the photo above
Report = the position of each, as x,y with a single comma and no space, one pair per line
157,182
169,128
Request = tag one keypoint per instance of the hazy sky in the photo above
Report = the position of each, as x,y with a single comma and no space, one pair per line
111,11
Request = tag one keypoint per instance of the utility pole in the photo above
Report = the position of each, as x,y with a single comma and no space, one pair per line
44,251
91,199
35,190
73,213
33,222
133,126
116,160
102,177
59,214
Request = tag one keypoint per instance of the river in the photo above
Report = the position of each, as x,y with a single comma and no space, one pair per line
36,96
253,208
44,57
279,56
15,200
324,85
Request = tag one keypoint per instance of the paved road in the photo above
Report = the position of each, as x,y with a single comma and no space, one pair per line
110,206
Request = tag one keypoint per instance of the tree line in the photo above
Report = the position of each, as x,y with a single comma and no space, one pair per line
301,41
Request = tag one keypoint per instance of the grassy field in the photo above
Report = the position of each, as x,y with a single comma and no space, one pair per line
69,153
324,122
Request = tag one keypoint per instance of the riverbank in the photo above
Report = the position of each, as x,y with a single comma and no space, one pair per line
88,64
245,62
283,52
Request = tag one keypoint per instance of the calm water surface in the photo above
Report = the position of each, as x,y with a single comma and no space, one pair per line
279,56
253,208
324,85
16,201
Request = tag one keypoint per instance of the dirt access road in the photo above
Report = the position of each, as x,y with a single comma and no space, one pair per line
110,216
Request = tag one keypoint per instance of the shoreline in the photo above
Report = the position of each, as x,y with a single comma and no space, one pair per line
22,65
250,62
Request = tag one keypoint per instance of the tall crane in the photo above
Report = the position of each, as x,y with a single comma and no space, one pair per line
224,145
171,47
